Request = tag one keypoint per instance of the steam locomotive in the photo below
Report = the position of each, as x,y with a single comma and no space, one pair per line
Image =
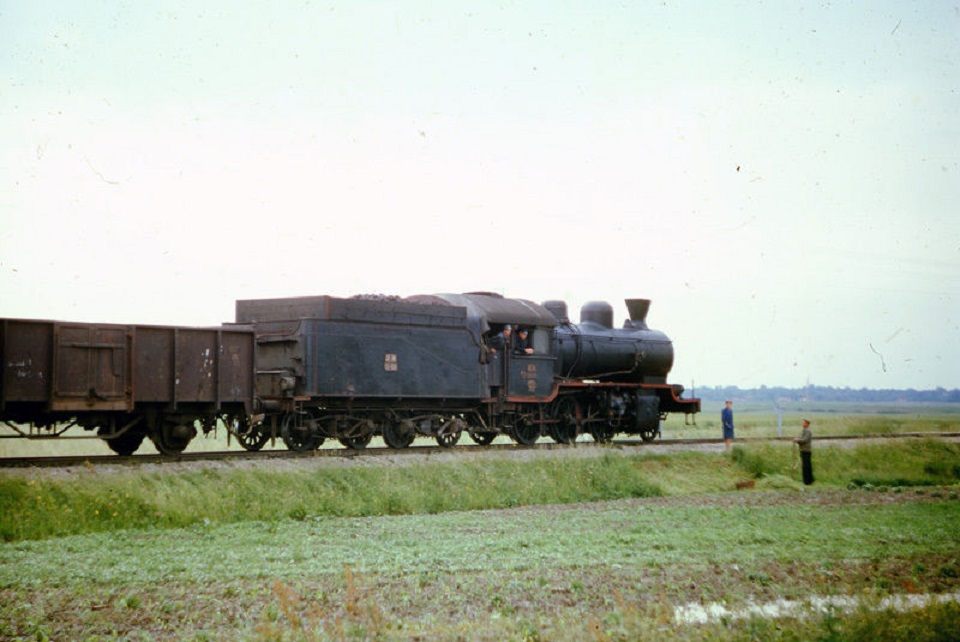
308,369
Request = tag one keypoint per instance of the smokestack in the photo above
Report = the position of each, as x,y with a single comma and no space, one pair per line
638,309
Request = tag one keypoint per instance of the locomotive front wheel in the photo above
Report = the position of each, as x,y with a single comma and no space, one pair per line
395,436
297,436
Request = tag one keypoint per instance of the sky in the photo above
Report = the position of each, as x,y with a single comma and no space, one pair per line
781,179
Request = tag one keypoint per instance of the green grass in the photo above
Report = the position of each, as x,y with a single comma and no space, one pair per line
600,547
612,570
33,508
39,507
917,462
608,534
827,419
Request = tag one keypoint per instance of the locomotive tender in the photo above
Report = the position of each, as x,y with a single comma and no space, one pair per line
308,369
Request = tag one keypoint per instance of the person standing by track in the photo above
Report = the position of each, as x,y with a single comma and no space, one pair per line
805,441
726,417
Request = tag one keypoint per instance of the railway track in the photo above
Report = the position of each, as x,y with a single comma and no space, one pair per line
345,453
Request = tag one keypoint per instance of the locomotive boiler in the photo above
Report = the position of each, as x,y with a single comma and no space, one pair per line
594,349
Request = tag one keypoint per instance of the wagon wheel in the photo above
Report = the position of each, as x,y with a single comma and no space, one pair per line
127,443
395,435
252,438
296,435
483,438
525,432
172,438
566,427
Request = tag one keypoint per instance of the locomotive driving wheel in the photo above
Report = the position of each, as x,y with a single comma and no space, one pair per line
525,431
566,426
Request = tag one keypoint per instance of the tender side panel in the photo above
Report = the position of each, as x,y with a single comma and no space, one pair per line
372,360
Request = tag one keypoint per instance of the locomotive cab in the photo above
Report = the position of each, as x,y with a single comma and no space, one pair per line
509,375
519,369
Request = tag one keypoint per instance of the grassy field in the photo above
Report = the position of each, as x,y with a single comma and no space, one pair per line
762,420
588,543
617,570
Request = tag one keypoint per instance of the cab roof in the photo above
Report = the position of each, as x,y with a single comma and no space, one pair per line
493,308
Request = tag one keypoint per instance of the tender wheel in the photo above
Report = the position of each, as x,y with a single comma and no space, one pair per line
449,439
127,443
395,435
357,443
566,427
525,432
296,435
252,438
483,438
172,438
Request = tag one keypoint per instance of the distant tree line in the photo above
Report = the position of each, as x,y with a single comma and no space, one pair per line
825,393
